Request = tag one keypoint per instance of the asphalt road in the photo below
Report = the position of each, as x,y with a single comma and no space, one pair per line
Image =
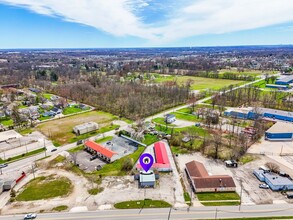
163,214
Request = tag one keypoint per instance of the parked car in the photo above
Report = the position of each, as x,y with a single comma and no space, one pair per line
289,195
197,124
99,167
30,216
93,157
53,149
3,165
79,142
264,186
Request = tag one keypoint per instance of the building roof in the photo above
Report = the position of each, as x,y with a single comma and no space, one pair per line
277,180
214,181
281,127
99,148
147,177
274,111
202,179
240,110
161,153
286,79
196,169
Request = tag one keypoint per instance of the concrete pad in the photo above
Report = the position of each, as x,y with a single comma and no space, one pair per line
79,209
5,135
105,207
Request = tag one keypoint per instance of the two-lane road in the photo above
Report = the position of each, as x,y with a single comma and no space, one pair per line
163,214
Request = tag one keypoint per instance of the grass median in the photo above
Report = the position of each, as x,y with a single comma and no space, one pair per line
138,204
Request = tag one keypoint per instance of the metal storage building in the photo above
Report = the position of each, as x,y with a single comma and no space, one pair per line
277,182
85,128
285,81
147,179
280,131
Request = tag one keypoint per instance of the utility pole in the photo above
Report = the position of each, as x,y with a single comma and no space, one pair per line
33,170
281,151
216,214
240,194
45,147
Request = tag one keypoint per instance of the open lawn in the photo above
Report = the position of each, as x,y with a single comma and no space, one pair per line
60,131
187,117
150,139
246,72
199,83
220,203
138,204
161,121
212,196
6,122
45,188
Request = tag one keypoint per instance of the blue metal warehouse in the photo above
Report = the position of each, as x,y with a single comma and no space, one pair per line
280,131
275,182
249,113
285,81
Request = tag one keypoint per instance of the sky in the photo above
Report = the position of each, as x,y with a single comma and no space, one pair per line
144,23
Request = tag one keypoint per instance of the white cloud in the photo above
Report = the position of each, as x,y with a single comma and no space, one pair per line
191,18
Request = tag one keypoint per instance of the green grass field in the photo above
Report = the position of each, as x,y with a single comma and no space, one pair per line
61,130
187,117
138,204
6,122
150,139
220,203
211,196
246,72
199,83
162,121
45,188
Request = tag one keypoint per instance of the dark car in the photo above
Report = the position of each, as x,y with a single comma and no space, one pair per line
79,142
93,157
3,165
53,149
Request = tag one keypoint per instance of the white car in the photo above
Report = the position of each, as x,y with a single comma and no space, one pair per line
30,216
264,186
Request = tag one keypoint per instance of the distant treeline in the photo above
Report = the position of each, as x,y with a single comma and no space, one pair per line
225,75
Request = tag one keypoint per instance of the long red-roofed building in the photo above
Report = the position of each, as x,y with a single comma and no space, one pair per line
161,159
102,152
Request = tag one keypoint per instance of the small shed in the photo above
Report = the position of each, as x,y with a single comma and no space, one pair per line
147,179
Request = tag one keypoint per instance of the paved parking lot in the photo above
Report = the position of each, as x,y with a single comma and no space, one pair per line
272,147
83,159
121,146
